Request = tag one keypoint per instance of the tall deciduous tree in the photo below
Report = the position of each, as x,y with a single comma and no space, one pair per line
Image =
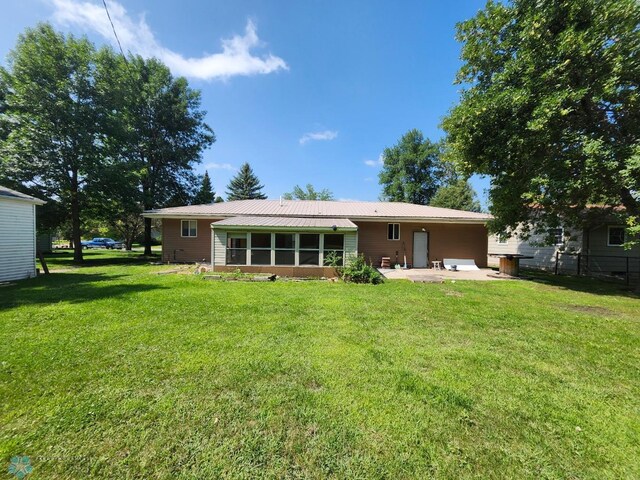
412,170
162,132
206,193
52,123
458,195
245,185
551,108
309,193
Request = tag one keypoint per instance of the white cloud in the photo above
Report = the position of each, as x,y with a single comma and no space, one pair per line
326,135
220,166
136,36
375,163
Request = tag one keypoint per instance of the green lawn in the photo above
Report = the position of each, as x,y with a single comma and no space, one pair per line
112,371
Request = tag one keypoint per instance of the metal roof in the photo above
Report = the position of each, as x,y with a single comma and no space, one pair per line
287,222
15,195
313,208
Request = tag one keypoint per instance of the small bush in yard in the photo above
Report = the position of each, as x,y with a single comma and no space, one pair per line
357,271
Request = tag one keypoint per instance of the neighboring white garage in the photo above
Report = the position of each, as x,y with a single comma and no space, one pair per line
17,235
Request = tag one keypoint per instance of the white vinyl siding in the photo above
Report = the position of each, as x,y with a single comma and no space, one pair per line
219,247
17,240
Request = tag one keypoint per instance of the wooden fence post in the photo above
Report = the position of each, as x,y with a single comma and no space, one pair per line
627,271
579,263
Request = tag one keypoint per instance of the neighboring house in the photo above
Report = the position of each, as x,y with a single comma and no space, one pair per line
600,247
293,237
17,235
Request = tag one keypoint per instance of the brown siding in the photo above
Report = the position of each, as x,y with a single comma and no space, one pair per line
445,241
176,248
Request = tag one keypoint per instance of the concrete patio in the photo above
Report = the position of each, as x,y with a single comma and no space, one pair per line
429,275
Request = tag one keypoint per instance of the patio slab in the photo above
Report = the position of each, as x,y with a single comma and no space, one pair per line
429,275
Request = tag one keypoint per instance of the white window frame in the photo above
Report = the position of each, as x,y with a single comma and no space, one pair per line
393,239
247,255
188,228
624,235
561,236
251,248
502,240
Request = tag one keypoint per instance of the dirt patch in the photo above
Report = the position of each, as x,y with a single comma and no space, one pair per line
590,309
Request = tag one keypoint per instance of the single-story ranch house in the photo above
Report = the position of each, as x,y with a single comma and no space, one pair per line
293,237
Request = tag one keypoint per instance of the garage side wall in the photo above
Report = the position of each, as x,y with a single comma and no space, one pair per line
176,248
446,240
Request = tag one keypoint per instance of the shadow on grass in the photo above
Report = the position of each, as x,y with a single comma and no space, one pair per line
585,284
98,258
69,287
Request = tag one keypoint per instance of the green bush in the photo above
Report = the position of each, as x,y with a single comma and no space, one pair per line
357,271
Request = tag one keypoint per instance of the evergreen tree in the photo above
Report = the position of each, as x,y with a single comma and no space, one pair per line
245,185
206,193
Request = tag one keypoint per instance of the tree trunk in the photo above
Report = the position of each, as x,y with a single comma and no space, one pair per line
75,219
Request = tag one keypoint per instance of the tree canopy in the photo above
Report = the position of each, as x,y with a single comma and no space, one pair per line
206,193
551,109
245,185
458,195
309,193
103,136
53,123
412,170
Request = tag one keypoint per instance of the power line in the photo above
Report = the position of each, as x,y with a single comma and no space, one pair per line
114,30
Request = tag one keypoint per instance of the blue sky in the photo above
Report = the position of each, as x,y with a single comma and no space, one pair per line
305,91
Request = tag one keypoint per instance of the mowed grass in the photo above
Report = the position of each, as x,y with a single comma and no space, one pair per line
112,371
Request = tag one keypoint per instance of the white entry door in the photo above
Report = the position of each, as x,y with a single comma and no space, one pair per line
420,254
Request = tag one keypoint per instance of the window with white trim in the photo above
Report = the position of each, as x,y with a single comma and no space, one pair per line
557,235
189,228
309,249
237,249
393,231
261,248
285,249
334,243
615,236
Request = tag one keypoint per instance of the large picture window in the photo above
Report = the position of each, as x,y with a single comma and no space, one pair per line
615,237
393,231
285,249
309,249
237,249
189,228
260,249
334,244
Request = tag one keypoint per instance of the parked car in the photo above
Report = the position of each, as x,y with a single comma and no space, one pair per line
100,242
